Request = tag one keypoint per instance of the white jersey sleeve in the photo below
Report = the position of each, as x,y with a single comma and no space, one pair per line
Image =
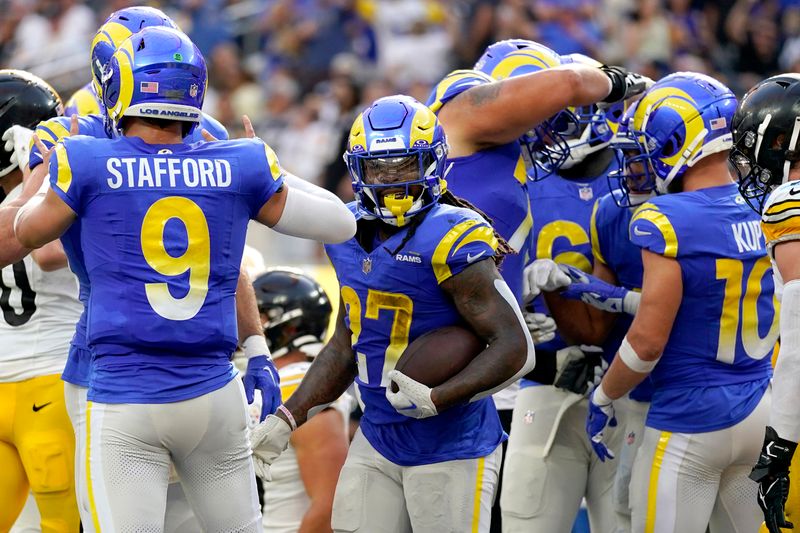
38,313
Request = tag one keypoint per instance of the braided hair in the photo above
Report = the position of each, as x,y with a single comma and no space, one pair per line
448,198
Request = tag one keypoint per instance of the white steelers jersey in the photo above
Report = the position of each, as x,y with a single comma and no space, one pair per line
285,498
38,313
781,222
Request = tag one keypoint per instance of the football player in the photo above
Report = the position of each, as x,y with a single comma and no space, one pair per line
299,496
111,34
706,324
765,133
162,328
602,320
38,299
552,441
423,459
502,117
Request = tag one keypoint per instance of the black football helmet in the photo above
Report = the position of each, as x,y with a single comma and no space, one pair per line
296,308
766,133
25,100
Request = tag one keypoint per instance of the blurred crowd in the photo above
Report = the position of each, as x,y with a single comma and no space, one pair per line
301,69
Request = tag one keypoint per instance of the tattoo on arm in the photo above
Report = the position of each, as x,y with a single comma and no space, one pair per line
492,318
481,94
332,371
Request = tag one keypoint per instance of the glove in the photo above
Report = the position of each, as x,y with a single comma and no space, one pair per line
412,398
598,293
261,374
601,415
624,84
268,440
18,142
772,475
579,369
542,327
542,275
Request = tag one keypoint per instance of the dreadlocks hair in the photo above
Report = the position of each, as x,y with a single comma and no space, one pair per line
447,197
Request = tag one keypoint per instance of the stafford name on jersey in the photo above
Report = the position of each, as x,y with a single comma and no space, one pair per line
143,172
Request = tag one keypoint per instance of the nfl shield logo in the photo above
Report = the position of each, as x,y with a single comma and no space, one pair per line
528,418
631,438
366,265
193,91
585,192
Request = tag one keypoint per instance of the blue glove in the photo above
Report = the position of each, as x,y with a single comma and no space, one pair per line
599,293
261,374
599,417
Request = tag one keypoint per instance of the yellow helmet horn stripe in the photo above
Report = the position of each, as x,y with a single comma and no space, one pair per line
124,57
523,58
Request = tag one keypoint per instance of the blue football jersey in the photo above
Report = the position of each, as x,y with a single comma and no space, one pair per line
612,247
562,210
494,180
716,364
76,370
162,233
392,297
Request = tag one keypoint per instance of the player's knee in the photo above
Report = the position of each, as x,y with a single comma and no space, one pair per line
49,466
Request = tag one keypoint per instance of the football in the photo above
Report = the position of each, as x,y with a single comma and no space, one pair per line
438,355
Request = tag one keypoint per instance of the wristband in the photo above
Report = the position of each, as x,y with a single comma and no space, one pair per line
600,397
288,415
255,345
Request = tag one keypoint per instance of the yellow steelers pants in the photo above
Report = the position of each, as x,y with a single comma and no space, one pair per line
37,453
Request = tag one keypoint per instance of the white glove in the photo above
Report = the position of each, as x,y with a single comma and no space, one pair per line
18,141
412,398
542,275
542,327
268,440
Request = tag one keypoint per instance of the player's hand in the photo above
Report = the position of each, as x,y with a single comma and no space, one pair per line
261,374
412,398
598,293
542,327
601,416
772,475
624,84
18,143
268,440
542,275
249,131
579,369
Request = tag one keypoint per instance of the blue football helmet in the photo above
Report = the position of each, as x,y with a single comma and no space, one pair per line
545,147
396,156
119,26
634,185
156,73
680,120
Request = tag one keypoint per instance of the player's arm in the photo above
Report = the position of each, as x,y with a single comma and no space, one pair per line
662,292
39,222
579,322
497,113
332,371
301,209
321,448
50,257
484,300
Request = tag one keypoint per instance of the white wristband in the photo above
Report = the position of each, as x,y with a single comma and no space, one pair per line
292,423
630,303
632,359
255,345
600,397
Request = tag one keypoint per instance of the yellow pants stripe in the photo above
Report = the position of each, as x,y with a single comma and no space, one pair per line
476,512
89,488
652,492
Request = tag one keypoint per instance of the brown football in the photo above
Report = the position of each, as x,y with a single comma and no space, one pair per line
438,355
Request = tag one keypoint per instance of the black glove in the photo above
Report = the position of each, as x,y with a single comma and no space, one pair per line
772,475
579,370
624,84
